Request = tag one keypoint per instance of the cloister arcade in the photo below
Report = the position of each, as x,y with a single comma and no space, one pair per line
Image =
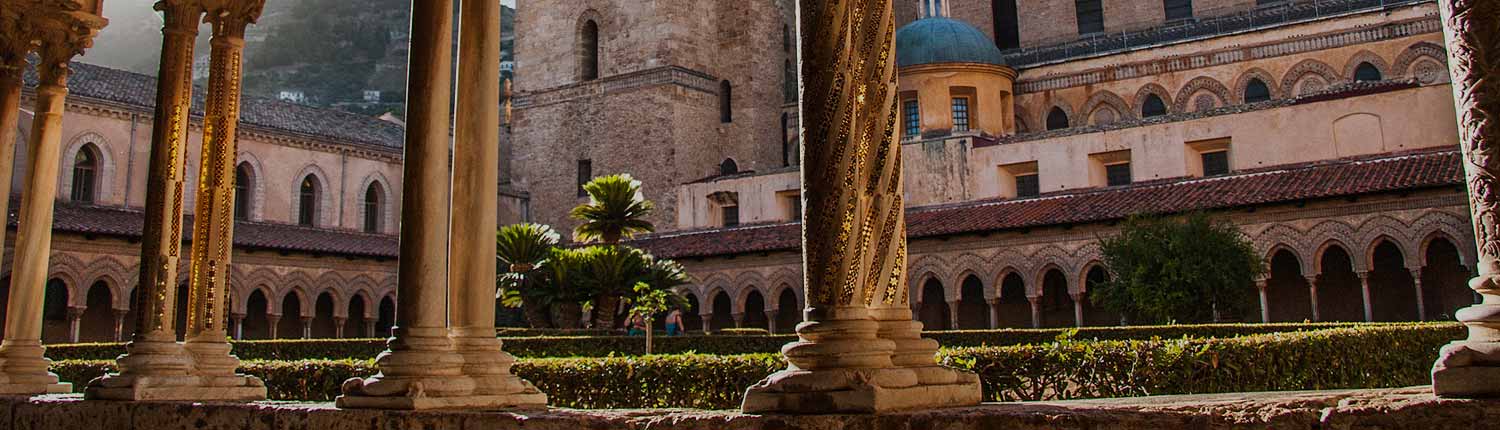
1357,268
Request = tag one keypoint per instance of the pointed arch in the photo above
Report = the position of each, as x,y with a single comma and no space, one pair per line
1322,251
1101,103
971,264
255,189
1372,230
1242,83
316,195
1188,97
1452,225
1424,61
1365,56
1293,82
101,169
589,47
1148,90
381,208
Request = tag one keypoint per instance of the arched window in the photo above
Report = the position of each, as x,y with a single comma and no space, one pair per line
589,51
1256,91
374,196
729,167
85,173
1057,119
243,186
307,201
726,102
1153,106
1366,72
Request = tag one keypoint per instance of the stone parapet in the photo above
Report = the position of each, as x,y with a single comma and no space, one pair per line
1391,408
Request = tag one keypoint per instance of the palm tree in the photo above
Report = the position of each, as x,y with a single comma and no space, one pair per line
566,276
616,209
610,272
523,252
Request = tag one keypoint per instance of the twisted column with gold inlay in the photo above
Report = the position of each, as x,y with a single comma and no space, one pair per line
1471,367
857,353
154,361
64,29
421,369
476,179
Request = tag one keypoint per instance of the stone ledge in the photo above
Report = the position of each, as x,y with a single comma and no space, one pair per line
1414,408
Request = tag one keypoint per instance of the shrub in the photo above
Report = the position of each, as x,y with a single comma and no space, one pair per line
543,345
1350,357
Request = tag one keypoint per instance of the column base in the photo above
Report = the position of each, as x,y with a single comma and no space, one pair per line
488,365
1467,370
852,391
419,371
520,401
31,389
248,389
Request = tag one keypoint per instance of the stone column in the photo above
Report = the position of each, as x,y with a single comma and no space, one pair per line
306,327
1312,296
858,350
1471,367
213,221
274,321
238,320
471,262
1416,281
421,369
1078,309
1261,286
75,323
1036,311
1364,290
119,315
15,45
771,320
153,359
994,307
707,320
64,34
739,319
953,314
338,327
370,328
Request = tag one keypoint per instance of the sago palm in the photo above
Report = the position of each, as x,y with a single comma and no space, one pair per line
616,209
610,272
666,275
523,253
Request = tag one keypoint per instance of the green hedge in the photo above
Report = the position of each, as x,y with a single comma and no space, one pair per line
1355,357
536,345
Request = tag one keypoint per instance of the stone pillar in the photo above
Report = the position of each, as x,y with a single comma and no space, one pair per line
1416,281
1036,311
953,314
119,315
306,327
338,327
1312,296
213,221
153,360
75,323
274,321
421,369
858,350
707,320
994,307
1261,286
1364,290
64,34
739,319
771,320
1471,367
472,271
370,328
238,320
1078,309
14,47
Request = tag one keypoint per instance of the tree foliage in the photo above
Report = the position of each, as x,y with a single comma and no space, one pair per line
1178,270
616,209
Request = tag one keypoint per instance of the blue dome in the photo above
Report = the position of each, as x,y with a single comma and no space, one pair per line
944,40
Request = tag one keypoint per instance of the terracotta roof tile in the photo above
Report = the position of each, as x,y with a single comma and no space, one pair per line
1289,183
114,221
137,90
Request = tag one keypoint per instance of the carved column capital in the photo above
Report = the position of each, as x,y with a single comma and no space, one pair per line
230,17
